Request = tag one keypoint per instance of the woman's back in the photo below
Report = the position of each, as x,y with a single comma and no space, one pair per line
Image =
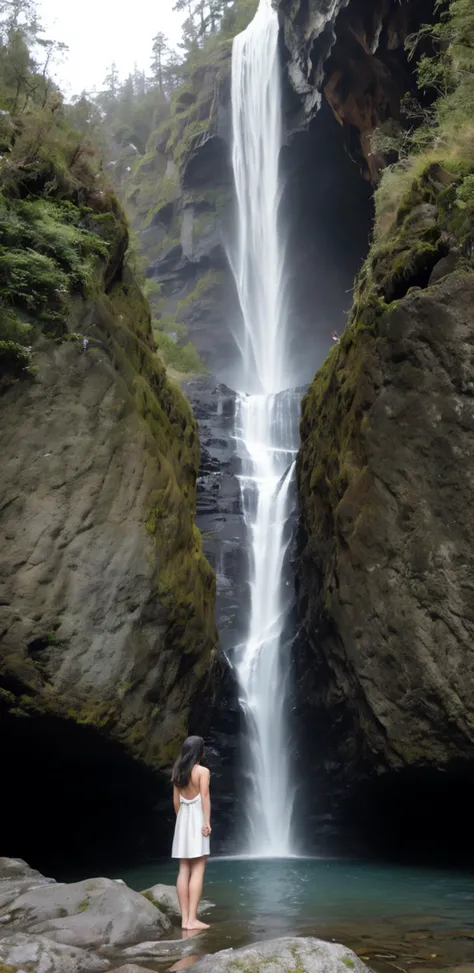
194,787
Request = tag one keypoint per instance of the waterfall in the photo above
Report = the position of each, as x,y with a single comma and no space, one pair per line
266,428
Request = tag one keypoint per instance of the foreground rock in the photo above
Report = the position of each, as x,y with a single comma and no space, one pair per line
284,956
16,877
96,912
129,968
165,897
39,954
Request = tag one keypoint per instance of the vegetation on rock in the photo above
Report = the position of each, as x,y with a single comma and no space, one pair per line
424,211
63,275
369,509
150,128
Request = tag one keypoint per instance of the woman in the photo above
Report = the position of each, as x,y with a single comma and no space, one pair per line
192,804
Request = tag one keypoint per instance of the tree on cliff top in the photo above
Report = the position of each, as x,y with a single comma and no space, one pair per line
204,15
51,190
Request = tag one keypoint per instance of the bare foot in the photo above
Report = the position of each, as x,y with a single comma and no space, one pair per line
184,923
196,924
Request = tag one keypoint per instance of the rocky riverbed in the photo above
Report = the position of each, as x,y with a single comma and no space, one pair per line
100,925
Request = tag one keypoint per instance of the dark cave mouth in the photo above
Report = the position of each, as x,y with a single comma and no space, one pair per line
416,815
75,802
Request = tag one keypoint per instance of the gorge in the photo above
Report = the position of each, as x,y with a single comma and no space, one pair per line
341,677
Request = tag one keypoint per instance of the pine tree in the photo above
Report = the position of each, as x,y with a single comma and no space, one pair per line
161,53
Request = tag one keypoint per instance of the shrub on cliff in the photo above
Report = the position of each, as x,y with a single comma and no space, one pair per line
59,223
446,132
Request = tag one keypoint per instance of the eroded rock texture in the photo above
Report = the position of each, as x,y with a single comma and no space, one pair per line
387,566
351,54
107,603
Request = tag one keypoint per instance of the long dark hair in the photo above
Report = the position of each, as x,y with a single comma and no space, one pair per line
192,752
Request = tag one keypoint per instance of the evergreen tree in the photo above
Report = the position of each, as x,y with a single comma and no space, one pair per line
160,56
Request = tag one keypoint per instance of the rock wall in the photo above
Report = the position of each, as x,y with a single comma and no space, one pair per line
384,654
107,602
350,54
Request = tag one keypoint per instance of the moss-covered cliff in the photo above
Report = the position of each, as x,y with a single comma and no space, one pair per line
100,455
384,655
107,602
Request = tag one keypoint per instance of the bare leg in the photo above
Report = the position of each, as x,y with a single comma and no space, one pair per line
182,886
196,881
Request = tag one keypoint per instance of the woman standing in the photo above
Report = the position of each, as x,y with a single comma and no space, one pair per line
192,804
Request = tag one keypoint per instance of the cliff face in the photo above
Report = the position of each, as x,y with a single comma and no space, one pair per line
384,651
384,654
180,203
386,514
107,602
350,54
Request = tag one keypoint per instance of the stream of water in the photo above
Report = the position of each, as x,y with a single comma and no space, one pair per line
266,430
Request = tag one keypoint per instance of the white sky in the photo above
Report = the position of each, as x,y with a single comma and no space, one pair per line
99,32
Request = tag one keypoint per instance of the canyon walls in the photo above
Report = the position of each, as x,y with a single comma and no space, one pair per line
107,608
384,654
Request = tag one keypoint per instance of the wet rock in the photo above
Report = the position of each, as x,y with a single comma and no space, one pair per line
284,956
219,517
166,898
95,912
38,954
164,949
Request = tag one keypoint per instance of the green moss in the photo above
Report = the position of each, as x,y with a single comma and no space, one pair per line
348,962
50,251
203,289
82,907
15,362
183,358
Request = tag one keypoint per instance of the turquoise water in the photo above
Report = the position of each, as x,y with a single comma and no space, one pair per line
329,890
392,916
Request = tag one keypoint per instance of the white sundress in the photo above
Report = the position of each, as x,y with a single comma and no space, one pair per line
189,841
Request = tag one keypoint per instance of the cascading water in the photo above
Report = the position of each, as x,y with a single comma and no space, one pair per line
266,427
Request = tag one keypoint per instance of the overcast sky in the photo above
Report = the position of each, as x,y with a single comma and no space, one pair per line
99,32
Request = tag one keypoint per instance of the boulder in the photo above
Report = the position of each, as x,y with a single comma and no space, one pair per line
164,949
128,968
38,954
283,956
17,877
165,897
95,912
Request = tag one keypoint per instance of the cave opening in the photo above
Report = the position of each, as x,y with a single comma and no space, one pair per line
75,804
418,815
328,210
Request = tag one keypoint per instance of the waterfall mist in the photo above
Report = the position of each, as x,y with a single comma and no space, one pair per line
266,430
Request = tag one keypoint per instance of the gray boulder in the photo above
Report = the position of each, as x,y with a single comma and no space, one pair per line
131,968
166,897
283,956
95,912
37,954
164,949
17,877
